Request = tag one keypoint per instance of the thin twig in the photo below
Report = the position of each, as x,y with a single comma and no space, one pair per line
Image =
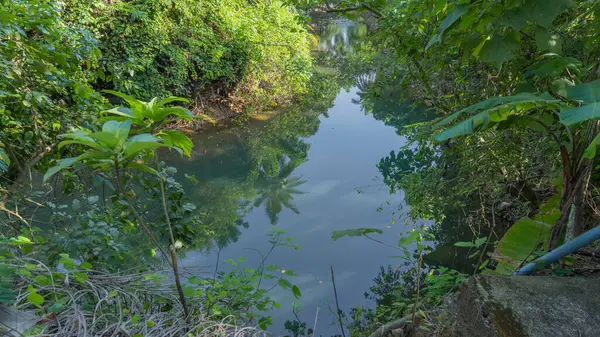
315,325
172,246
337,304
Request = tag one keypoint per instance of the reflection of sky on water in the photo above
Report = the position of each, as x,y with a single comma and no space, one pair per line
343,191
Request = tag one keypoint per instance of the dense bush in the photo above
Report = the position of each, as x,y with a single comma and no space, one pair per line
44,78
162,47
56,55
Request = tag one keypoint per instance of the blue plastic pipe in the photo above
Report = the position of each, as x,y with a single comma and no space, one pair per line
557,254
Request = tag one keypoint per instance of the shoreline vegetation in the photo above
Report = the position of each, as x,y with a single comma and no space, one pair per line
69,72
497,101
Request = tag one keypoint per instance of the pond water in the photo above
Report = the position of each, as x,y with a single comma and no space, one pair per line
309,171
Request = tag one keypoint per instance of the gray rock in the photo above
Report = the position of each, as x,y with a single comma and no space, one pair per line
14,322
529,306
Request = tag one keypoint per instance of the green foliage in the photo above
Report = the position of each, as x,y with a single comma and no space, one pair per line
159,48
448,21
55,55
526,236
395,294
354,232
476,244
231,294
117,146
148,114
46,69
521,240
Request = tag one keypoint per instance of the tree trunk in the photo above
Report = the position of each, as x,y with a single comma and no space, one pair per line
571,204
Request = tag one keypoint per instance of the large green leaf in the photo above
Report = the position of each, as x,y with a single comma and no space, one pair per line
61,164
547,41
490,103
125,112
136,105
119,130
79,137
463,128
572,116
521,240
495,110
139,143
162,113
541,12
171,99
142,167
483,119
586,93
94,156
108,139
499,49
296,291
548,211
590,151
174,138
448,21
560,86
354,232
554,67
526,235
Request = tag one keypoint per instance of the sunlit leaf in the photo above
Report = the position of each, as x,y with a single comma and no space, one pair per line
171,99
35,298
177,111
67,162
135,104
521,240
174,138
119,130
124,112
448,21
139,143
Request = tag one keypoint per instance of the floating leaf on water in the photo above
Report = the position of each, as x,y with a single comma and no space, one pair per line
354,232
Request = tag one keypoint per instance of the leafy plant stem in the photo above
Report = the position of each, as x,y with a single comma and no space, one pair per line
137,215
418,288
172,245
385,244
262,266
337,304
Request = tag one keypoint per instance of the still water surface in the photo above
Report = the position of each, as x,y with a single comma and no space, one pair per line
341,188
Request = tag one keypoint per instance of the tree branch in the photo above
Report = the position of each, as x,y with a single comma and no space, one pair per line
399,323
375,12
